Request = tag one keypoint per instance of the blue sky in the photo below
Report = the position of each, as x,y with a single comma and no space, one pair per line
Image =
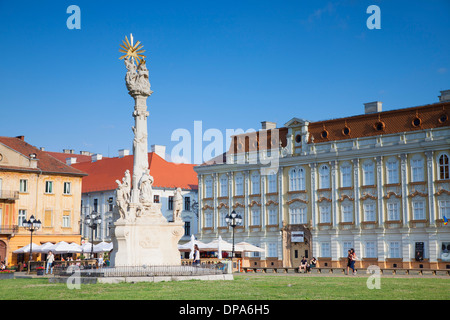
230,64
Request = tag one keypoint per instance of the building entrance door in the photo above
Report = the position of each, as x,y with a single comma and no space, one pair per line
2,250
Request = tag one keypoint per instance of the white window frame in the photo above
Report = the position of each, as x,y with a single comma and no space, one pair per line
347,212
256,217
443,168
22,215
325,213
393,210
272,250
419,210
346,175
208,188
66,220
346,245
417,169
67,188
273,216
324,177
392,171
23,185
395,249
208,220
272,183
239,185
444,208
370,211
297,179
325,250
370,249
256,184
368,173
49,187
224,186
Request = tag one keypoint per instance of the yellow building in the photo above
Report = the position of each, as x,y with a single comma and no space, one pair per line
34,183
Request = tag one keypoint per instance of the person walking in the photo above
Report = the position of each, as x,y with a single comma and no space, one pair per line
50,260
196,256
349,260
353,259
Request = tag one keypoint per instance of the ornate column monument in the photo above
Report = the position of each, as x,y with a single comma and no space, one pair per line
141,235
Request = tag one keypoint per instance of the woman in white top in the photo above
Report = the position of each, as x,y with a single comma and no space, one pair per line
196,256
50,260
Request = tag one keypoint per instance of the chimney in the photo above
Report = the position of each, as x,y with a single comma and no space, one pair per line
159,150
70,161
70,151
445,96
267,125
85,153
373,107
96,157
42,148
123,153
21,138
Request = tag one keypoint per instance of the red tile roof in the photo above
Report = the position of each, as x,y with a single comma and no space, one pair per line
102,174
45,162
62,156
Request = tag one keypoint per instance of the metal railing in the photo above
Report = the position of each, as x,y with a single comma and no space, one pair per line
142,271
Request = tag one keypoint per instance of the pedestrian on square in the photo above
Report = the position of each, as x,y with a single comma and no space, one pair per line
352,264
196,256
50,260
349,260
304,264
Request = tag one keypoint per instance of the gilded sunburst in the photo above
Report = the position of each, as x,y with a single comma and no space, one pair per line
132,50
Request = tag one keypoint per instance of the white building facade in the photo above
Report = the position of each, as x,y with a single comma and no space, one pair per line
377,182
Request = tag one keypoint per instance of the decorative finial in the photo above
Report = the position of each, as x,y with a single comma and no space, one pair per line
131,50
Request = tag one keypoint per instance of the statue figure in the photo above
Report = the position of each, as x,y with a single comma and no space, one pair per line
177,204
121,201
137,77
145,187
126,184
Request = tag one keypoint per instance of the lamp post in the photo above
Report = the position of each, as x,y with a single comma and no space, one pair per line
92,221
233,220
32,225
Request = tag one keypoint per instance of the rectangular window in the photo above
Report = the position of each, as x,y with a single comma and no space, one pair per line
325,250
22,216
23,185
444,208
48,186
110,204
208,220
297,215
273,217
418,210
255,184
393,211
347,213
170,203
346,172
208,188
346,245
187,228
394,249
417,170
371,251
239,184
392,172
369,212
325,215
156,198
66,219
222,217
67,187
95,205
187,203
272,180
368,174
256,217
223,186
273,251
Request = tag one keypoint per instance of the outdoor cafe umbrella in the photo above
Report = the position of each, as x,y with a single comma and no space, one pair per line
103,247
64,247
26,249
245,246
87,247
45,248
220,245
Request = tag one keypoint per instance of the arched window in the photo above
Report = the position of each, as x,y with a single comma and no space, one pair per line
444,167
296,179
324,177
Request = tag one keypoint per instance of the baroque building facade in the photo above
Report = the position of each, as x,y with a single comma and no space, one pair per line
377,182
32,182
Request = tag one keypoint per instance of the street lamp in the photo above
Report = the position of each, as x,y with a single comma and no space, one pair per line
233,220
92,221
32,225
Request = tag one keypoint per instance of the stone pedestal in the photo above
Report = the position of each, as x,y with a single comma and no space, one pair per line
148,239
